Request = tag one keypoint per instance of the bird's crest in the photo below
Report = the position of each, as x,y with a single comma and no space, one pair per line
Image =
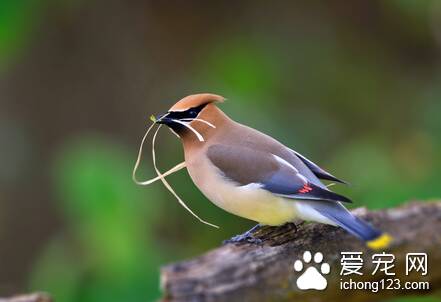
196,100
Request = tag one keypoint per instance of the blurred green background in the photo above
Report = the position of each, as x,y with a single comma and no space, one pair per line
353,85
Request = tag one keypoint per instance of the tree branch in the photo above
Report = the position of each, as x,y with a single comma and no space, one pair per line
264,272
36,297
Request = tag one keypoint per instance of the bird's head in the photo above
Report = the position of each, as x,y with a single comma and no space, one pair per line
195,113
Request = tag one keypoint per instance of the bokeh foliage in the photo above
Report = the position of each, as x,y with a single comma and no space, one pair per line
16,21
107,242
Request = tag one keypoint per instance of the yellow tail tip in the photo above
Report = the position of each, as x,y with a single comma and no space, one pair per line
381,242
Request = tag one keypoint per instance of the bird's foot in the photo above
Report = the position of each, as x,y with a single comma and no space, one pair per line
243,238
260,233
247,237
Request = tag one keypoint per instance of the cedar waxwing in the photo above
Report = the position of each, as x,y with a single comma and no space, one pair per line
252,175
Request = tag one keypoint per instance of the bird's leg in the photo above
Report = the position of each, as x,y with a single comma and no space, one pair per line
265,232
247,237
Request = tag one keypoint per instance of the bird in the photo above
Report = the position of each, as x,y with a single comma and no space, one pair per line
254,176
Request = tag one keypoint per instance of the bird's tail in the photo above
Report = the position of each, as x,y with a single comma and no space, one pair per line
374,238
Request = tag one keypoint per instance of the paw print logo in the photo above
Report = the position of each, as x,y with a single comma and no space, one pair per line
311,277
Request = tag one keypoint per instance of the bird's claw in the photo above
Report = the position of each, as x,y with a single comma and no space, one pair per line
246,237
263,232
243,238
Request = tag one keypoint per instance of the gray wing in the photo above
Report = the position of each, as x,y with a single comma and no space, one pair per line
319,172
256,140
245,166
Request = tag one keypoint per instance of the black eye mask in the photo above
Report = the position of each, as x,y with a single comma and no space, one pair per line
187,114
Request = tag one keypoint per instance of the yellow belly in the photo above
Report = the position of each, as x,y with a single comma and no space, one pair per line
251,202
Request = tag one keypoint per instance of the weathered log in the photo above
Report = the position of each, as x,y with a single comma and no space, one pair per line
264,271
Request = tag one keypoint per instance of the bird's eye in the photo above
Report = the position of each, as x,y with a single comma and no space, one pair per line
192,113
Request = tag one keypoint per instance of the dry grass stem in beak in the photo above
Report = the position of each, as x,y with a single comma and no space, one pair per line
161,176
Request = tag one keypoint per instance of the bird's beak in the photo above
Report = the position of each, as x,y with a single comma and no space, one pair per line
162,119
